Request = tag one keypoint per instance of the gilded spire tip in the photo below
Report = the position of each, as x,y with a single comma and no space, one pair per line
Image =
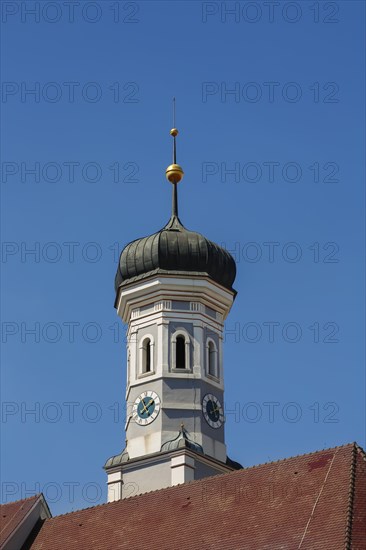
174,173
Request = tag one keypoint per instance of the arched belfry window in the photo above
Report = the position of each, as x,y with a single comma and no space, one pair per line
180,351
147,349
211,359
146,355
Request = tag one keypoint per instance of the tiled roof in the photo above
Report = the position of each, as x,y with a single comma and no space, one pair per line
309,502
12,514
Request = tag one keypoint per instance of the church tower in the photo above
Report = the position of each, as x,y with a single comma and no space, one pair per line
174,291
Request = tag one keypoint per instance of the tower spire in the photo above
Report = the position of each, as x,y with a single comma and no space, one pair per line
174,134
174,173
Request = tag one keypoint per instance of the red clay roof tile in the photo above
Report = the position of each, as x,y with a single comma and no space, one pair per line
308,502
12,514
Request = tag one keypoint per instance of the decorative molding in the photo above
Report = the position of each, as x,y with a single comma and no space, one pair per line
168,288
162,304
135,313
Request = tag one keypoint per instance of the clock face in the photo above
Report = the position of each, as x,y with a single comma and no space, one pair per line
212,411
146,408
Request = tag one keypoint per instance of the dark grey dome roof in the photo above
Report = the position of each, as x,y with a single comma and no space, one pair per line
182,441
174,249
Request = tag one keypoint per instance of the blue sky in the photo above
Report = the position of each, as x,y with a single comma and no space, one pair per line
270,108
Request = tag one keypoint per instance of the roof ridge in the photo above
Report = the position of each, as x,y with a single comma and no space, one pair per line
205,479
37,495
318,497
351,495
15,516
360,450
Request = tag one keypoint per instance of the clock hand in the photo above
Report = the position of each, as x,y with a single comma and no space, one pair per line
151,402
144,406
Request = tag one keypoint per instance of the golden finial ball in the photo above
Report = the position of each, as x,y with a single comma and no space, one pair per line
174,132
174,173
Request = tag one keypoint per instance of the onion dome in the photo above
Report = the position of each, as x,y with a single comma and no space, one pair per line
174,249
